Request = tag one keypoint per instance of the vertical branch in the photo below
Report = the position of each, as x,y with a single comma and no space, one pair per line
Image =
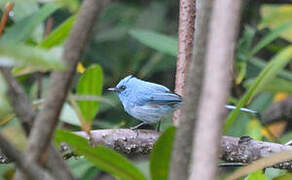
5,16
220,52
181,154
26,113
47,119
185,45
19,100
49,26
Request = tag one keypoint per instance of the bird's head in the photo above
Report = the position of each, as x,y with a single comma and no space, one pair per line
123,88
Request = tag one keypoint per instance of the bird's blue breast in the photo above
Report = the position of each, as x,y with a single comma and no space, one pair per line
150,113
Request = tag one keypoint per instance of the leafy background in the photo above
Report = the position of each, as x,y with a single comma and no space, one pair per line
139,38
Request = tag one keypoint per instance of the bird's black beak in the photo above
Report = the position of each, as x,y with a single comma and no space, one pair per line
114,89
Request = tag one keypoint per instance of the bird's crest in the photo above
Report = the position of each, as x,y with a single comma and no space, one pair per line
128,78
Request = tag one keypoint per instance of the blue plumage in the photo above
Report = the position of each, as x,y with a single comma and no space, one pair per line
150,102
145,101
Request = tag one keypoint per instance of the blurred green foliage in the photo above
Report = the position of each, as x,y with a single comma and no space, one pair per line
160,157
139,38
103,157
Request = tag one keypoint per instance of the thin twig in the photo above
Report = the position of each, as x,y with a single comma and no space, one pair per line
38,75
49,26
9,7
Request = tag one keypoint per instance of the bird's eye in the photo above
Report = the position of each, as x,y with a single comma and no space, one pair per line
123,88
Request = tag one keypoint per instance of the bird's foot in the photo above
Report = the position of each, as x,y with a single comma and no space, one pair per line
158,126
137,126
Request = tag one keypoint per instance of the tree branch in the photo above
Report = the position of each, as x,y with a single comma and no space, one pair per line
19,100
185,46
47,118
232,149
181,154
126,141
26,114
8,8
246,150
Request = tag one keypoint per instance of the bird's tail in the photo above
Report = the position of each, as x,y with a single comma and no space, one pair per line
231,107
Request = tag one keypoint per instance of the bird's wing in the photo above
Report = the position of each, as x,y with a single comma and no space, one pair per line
165,97
151,93
161,98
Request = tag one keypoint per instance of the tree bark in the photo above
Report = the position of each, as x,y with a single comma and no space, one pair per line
220,53
182,148
126,141
185,46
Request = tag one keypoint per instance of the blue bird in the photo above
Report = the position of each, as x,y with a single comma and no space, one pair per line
149,102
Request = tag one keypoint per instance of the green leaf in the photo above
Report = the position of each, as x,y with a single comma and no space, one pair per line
254,129
286,176
273,173
241,71
161,155
286,137
275,85
21,30
69,116
277,63
262,64
157,41
244,44
240,125
103,157
274,16
20,54
258,175
90,84
269,38
72,5
79,166
59,34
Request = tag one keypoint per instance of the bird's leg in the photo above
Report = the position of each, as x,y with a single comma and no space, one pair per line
158,126
137,126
